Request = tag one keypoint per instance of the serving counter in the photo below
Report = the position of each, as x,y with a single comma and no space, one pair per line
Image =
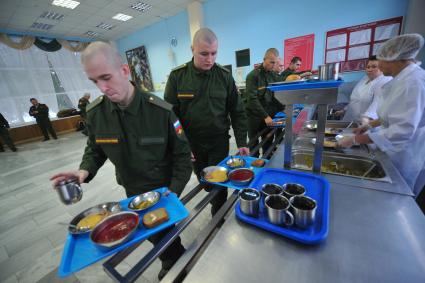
374,236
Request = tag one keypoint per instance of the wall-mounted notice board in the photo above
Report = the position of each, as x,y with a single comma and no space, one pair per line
353,45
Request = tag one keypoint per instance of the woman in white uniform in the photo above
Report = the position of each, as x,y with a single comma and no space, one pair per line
402,112
362,106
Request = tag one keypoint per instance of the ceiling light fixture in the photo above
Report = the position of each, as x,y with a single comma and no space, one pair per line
52,16
41,26
122,17
105,26
92,33
70,4
141,7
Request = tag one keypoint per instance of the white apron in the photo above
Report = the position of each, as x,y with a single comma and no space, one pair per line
402,132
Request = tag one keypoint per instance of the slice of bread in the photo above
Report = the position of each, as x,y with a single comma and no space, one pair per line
155,217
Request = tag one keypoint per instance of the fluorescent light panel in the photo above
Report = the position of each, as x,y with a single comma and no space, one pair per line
122,17
141,7
52,16
41,26
91,33
70,4
105,26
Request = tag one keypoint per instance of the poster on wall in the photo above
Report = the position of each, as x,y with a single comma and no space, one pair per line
303,47
139,66
353,45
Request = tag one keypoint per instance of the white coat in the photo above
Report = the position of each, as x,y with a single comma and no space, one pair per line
362,98
402,132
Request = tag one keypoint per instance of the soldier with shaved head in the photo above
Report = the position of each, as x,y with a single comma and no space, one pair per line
137,131
204,97
261,102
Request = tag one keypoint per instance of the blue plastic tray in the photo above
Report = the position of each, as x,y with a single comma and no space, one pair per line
248,161
317,188
79,252
306,85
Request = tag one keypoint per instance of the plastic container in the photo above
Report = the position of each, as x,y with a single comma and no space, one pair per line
317,188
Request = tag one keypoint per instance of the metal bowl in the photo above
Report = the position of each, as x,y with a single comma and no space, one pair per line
109,207
207,174
123,223
150,197
235,162
241,176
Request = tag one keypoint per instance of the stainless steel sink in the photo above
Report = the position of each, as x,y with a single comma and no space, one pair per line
342,164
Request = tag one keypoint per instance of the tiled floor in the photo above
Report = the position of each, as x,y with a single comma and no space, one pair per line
31,233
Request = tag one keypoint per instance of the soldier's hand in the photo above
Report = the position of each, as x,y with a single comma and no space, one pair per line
268,121
80,175
243,151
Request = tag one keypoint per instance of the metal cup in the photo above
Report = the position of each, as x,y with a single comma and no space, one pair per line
249,201
270,190
292,189
304,210
277,210
69,191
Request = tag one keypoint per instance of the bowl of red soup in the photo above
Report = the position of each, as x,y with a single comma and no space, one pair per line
241,176
115,229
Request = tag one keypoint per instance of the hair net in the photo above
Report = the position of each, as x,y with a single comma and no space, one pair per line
402,47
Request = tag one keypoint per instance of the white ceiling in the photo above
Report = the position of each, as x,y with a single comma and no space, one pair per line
19,15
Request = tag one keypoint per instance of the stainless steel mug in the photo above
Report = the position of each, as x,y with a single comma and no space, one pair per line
269,190
69,191
249,201
293,189
332,71
322,73
304,210
277,210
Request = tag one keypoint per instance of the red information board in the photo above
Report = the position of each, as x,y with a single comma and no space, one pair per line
303,47
353,45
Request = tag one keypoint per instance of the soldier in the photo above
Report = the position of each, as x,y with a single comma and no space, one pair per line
205,98
82,105
4,133
262,104
293,68
41,114
136,131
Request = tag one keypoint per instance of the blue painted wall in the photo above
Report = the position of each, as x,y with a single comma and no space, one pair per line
241,24
156,38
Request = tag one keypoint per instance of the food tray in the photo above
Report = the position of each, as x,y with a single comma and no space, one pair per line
306,85
248,161
317,188
79,252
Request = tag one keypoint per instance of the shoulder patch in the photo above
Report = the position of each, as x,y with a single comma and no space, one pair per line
95,103
223,68
179,67
159,102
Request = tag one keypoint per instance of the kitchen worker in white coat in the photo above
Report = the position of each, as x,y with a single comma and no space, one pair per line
362,106
402,112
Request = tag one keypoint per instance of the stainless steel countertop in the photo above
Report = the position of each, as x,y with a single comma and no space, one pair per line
374,236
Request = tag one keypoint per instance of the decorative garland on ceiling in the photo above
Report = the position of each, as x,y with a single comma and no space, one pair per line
27,41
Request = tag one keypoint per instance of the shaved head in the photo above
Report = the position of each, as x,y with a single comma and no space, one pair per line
271,58
204,49
109,52
271,52
204,34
